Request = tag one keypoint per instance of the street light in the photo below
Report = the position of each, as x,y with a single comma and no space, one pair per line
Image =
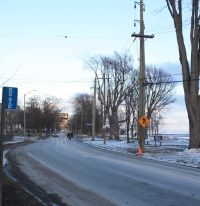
25,111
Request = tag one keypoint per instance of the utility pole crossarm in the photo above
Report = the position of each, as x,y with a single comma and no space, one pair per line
142,36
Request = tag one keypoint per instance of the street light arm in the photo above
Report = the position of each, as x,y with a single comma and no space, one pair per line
30,92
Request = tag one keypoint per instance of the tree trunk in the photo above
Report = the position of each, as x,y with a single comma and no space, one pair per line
194,123
114,124
194,133
128,121
190,73
127,131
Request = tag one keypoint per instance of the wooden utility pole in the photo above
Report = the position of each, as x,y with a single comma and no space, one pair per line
104,108
94,112
142,101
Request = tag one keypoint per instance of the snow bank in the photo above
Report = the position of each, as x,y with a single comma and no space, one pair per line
172,150
189,157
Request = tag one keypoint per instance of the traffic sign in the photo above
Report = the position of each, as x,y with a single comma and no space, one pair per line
143,121
10,98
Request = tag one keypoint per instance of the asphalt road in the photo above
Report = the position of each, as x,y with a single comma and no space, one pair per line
81,175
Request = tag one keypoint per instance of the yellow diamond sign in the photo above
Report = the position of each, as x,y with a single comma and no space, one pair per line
143,121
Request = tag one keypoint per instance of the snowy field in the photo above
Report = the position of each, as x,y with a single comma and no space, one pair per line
173,148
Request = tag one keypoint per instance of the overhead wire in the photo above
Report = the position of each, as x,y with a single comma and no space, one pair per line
170,82
168,28
177,74
157,30
164,30
52,81
63,36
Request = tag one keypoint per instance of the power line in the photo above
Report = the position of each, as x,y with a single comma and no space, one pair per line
63,36
177,74
33,35
170,82
51,81
166,29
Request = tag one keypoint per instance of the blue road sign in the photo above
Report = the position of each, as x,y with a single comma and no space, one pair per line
10,98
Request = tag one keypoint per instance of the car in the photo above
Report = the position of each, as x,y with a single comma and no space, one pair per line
55,134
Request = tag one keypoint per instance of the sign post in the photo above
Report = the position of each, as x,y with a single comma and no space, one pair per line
9,102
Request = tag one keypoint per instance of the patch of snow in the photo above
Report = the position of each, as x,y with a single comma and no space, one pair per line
17,139
120,146
5,161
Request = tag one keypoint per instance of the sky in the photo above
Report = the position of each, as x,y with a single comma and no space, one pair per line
45,44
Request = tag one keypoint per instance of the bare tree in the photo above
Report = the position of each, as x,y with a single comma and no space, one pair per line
131,105
190,70
83,111
18,118
134,102
34,114
159,90
50,112
81,120
115,72
156,120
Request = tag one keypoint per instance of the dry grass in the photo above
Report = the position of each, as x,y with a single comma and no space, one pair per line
15,195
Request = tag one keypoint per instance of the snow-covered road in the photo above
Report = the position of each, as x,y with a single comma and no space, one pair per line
83,175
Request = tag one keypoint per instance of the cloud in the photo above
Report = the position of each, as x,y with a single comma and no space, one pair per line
176,119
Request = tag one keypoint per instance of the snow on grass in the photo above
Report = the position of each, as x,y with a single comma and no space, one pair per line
186,157
190,157
17,139
120,146
173,149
